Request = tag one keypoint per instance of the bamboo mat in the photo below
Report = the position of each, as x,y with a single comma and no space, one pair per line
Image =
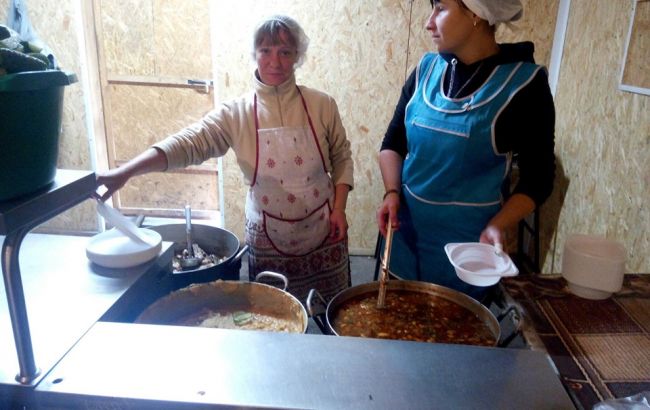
601,348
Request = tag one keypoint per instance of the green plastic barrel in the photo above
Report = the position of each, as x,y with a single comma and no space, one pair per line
31,104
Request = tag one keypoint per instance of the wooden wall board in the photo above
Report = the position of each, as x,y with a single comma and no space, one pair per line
143,115
173,191
156,38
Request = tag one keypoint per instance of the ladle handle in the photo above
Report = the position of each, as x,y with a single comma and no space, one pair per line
383,278
188,229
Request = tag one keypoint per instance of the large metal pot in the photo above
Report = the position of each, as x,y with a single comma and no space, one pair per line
213,240
231,296
324,313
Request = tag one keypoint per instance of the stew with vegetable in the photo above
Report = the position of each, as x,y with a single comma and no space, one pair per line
409,315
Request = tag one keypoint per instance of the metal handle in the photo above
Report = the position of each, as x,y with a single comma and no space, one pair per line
203,83
517,315
275,275
241,253
318,315
188,230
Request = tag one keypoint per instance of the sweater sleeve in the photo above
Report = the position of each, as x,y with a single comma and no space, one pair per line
526,127
206,138
395,137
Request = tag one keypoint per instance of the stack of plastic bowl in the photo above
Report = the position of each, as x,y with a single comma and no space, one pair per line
593,266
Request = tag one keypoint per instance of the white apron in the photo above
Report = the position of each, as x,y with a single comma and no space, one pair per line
291,191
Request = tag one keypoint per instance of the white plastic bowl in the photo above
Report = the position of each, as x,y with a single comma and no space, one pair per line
113,249
479,264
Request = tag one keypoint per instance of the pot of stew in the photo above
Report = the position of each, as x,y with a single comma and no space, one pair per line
230,305
218,248
413,310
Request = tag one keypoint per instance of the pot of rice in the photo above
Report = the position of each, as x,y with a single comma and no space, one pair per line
230,305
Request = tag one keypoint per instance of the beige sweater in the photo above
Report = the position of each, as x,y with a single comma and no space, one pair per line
232,125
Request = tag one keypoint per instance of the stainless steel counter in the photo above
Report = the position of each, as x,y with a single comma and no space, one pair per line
65,295
129,366
91,364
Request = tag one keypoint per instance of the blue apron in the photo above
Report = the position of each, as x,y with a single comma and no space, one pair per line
452,175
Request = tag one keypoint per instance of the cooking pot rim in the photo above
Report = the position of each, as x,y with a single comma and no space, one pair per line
452,295
291,299
200,228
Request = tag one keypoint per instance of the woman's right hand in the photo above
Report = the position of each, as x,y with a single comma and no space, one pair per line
112,180
387,211
390,164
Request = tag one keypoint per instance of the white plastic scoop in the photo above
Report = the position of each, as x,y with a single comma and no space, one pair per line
123,224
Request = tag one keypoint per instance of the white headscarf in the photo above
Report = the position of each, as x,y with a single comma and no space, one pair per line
496,11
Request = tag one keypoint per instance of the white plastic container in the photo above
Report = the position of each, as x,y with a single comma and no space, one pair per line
479,264
113,249
593,266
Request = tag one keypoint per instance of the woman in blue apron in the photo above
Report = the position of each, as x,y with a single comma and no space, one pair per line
463,113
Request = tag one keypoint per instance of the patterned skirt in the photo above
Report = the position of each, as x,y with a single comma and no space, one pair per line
326,269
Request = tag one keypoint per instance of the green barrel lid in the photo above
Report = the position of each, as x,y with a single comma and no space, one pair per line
36,80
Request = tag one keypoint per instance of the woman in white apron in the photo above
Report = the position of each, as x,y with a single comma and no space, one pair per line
463,113
293,151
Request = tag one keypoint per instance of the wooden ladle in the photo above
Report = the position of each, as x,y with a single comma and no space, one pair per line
383,277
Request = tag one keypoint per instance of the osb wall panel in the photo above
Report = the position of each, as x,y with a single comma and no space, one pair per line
156,43
143,115
56,26
157,38
357,54
172,191
603,138
536,25
160,111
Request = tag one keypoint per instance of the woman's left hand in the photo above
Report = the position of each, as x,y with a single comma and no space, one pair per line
492,235
338,224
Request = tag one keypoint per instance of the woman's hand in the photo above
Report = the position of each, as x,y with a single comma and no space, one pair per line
390,164
492,235
112,180
338,224
514,210
387,211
